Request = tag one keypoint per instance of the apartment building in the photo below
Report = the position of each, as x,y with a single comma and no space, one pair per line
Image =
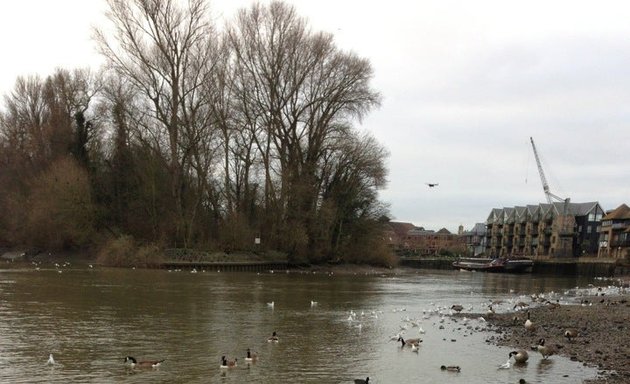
614,234
559,229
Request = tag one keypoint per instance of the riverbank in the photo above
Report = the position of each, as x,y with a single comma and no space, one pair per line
603,341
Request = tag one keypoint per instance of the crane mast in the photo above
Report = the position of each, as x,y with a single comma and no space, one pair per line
543,179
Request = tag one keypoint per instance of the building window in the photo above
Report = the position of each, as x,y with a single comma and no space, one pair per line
589,229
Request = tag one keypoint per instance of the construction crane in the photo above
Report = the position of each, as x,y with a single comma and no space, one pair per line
565,221
548,194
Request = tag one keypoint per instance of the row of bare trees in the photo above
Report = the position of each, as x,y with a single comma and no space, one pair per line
196,136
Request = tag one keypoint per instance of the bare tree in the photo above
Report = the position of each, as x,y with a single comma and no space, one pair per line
166,49
298,92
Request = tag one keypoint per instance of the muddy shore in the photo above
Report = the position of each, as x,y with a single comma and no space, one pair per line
602,323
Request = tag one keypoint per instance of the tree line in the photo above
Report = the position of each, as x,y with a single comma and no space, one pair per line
196,135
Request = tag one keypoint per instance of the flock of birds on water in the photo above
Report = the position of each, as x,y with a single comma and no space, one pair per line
517,304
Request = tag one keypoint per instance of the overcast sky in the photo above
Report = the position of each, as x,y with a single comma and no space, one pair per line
464,84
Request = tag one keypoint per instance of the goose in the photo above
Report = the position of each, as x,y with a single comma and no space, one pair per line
409,342
361,381
225,363
271,304
142,364
450,368
51,360
490,312
529,325
313,303
571,334
273,338
545,350
251,356
520,356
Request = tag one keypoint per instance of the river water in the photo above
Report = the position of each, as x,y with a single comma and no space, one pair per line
91,318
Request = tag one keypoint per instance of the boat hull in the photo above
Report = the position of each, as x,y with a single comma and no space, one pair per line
520,265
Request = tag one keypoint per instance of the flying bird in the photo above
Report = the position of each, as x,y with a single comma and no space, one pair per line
431,185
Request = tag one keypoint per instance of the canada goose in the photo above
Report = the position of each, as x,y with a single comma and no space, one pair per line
490,312
251,356
529,325
142,364
361,381
450,368
457,308
273,338
225,363
520,356
571,334
51,360
545,350
409,342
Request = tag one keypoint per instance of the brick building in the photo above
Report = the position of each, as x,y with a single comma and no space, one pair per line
424,242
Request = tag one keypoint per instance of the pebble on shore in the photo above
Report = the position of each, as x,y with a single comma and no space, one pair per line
603,327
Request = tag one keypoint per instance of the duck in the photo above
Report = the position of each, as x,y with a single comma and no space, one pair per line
545,350
51,360
143,364
361,381
529,325
409,342
273,338
313,303
414,348
571,334
225,363
520,356
251,356
451,368
271,304
457,308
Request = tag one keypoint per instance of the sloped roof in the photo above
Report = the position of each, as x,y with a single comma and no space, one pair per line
622,212
479,228
582,209
444,231
494,215
401,228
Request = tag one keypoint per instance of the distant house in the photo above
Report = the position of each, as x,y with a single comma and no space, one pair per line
559,229
614,233
406,236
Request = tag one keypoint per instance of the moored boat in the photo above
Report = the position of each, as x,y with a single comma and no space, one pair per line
514,265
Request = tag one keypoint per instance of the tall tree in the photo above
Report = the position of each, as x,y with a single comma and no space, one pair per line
299,93
166,49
